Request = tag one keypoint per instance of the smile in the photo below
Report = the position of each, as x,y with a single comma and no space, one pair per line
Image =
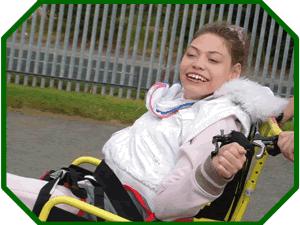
196,77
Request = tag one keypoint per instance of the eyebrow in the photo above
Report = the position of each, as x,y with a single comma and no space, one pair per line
215,52
210,52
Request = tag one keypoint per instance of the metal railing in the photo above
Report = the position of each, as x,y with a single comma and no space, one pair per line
123,49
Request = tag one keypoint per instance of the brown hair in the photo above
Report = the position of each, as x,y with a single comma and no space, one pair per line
236,40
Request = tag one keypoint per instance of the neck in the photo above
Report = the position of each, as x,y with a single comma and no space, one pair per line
197,99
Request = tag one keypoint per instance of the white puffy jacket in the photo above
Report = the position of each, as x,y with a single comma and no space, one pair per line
143,154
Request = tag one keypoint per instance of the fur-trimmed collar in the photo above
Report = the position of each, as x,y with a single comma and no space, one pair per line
257,100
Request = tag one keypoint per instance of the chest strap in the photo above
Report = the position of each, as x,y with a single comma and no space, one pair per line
116,193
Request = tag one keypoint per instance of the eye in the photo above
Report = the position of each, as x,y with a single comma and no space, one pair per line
190,54
213,60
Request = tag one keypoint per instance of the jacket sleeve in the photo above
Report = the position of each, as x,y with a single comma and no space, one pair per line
193,182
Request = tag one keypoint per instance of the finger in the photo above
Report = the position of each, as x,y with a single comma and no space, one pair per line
292,156
289,155
233,151
281,142
225,162
286,135
231,163
282,134
288,151
236,162
288,147
222,171
240,149
286,154
234,148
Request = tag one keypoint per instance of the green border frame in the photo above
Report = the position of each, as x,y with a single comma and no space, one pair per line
263,5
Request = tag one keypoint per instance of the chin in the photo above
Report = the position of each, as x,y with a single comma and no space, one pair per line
191,96
196,96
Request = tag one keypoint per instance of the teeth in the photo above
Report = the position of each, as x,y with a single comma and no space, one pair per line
197,77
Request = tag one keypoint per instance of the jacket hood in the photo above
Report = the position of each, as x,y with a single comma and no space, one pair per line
256,100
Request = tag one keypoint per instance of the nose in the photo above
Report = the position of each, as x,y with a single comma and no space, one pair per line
199,64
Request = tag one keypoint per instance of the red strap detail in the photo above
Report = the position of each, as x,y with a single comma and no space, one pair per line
80,212
44,175
67,185
150,215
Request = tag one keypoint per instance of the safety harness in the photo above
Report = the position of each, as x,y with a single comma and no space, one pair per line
109,194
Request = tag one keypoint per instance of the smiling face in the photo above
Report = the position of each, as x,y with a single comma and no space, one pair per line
206,65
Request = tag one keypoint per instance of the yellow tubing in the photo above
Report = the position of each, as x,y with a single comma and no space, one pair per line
80,205
204,220
86,159
267,129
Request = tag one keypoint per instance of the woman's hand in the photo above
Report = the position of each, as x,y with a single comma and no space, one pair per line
286,144
229,160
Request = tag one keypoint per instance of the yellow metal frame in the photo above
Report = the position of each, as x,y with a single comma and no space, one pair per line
269,128
86,159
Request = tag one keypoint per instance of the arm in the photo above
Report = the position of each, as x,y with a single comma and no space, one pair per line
195,179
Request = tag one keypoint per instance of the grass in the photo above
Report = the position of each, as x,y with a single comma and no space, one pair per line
104,108
289,125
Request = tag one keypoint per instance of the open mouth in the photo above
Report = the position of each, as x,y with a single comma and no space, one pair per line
196,77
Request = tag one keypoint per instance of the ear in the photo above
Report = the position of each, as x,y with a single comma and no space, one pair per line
236,71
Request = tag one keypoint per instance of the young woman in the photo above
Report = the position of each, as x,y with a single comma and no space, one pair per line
166,154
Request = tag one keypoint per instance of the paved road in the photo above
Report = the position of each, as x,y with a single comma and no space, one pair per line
38,141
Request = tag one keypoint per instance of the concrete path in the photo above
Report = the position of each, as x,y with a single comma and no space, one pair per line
37,142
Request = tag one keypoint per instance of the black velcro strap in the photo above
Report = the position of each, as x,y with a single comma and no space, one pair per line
115,192
218,209
72,178
279,118
241,182
99,198
274,150
60,215
241,139
44,196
